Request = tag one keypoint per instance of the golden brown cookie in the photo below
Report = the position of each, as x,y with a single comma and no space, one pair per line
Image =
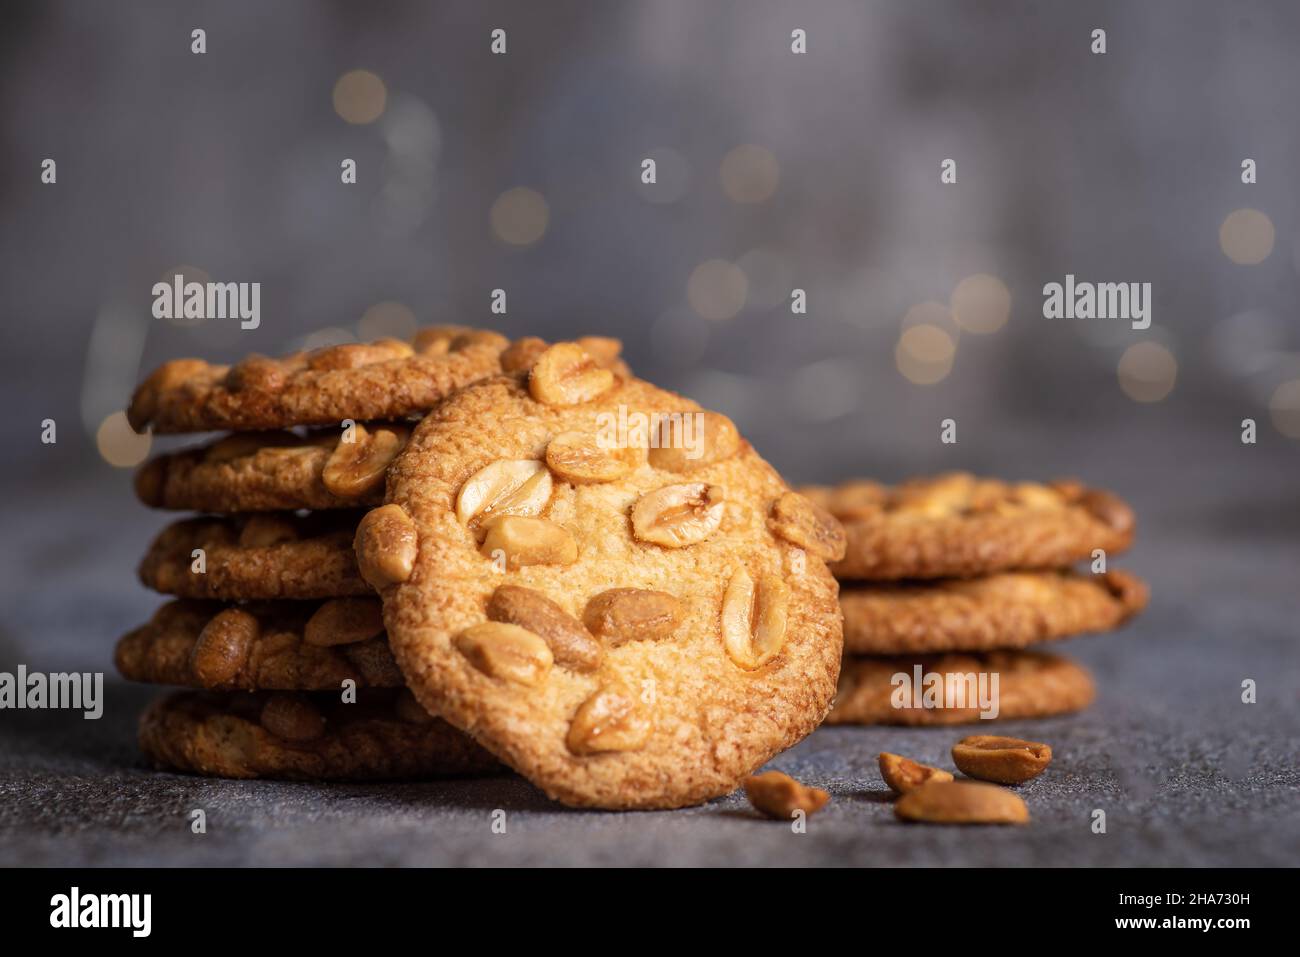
276,471
249,557
1030,685
960,526
628,627
384,379
1006,610
302,737
262,646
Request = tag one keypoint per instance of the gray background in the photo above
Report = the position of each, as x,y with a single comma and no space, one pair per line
1116,168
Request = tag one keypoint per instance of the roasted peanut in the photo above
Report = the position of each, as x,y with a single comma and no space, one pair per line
779,796
579,458
529,541
505,651
565,374
812,528
344,621
571,644
1004,760
676,516
754,619
610,720
621,615
506,487
386,544
292,717
961,802
904,775
687,441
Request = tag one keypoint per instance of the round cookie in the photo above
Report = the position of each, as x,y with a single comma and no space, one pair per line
628,627
276,471
384,379
254,557
1030,685
960,526
1006,610
384,736
261,646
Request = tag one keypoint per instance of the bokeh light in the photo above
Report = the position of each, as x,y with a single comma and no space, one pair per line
393,320
717,289
981,303
360,97
120,445
1284,407
925,353
1246,236
1147,372
750,174
519,216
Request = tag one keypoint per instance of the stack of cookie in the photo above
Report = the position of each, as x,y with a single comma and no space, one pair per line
955,576
271,628
599,581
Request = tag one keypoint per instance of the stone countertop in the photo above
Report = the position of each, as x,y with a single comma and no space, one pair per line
1187,774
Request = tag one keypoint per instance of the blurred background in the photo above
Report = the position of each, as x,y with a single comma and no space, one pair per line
775,171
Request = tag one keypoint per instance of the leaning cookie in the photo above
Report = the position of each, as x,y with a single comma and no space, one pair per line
275,471
960,526
385,736
1029,685
246,558
384,379
261,646
1007,610
605,585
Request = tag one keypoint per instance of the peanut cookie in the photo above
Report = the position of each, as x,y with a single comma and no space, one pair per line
256,556
384,379
262,646
960,526
629,614
1030,685
381,737
1007,610
275,471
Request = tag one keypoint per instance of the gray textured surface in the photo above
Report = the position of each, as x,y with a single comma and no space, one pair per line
1186,773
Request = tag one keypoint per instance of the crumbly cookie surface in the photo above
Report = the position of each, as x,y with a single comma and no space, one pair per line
252,557
628,628
384,379
301,737
261,646
1005,610
275,471
1031,685
961,526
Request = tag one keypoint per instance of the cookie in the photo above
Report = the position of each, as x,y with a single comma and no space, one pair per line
960,526
628,620
300,737
384,379
1030,685
251,557
1006,610
261,646
276,471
